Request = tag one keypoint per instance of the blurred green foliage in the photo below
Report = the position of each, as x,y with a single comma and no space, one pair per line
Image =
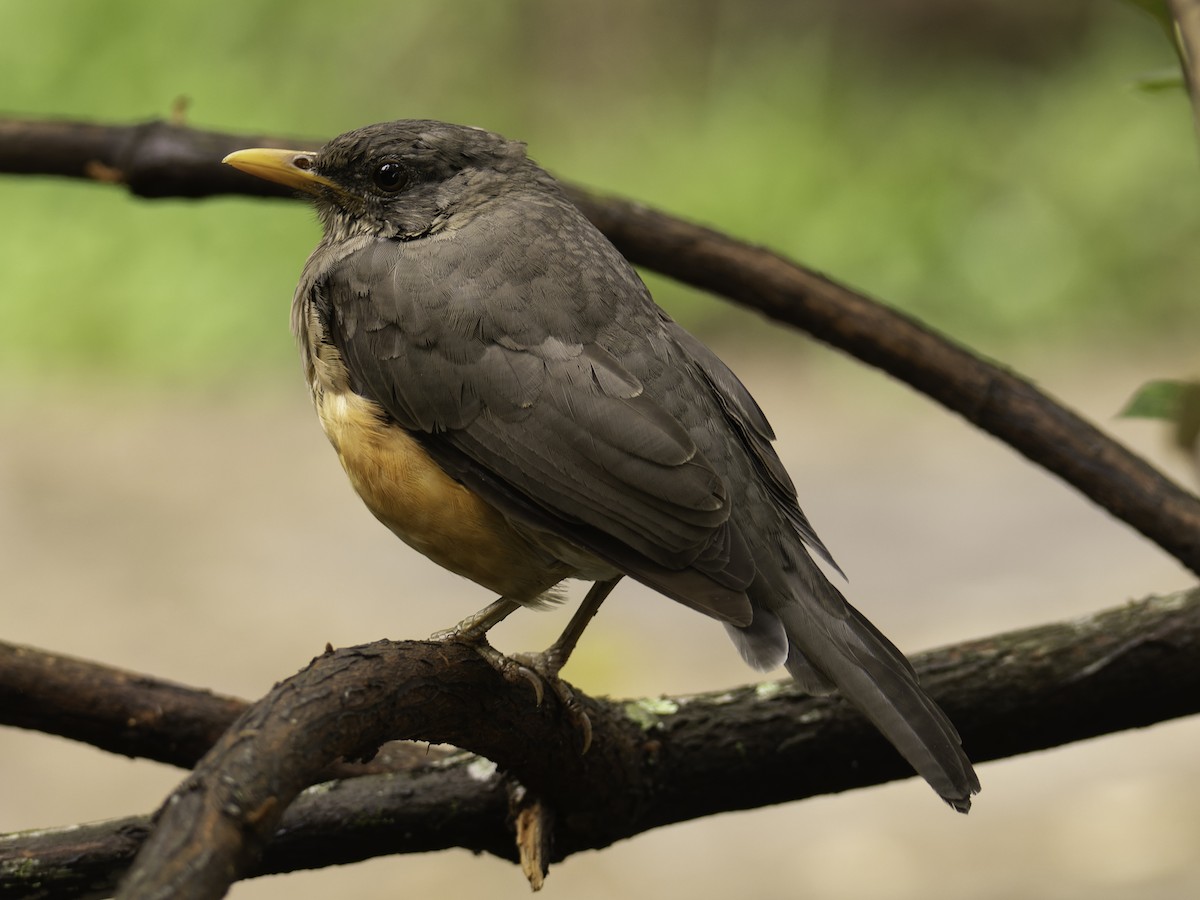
1176,402
989,167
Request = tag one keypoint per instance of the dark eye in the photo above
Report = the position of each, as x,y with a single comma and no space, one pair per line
389,176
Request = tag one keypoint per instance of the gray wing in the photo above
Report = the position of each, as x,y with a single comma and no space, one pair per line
515,392
536,370
755,433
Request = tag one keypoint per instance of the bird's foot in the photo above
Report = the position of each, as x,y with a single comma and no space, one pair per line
539,670
467,632
546,665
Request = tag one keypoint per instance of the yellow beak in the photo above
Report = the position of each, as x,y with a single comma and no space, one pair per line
290,167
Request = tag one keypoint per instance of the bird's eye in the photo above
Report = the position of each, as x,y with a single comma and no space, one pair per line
389,177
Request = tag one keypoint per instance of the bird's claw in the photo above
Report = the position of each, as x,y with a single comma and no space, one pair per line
516,670
546,666
509,668
537,669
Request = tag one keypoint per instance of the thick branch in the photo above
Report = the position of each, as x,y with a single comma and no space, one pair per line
212,828
134,714
159,159
120,711
461,803
651,763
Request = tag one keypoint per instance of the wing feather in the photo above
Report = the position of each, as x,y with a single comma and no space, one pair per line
530,407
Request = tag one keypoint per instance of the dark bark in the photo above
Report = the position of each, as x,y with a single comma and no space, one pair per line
137,715
212,829
123,712
153,159
652,763
453,804
159,159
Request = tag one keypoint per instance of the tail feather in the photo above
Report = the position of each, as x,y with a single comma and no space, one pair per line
829,636
764,645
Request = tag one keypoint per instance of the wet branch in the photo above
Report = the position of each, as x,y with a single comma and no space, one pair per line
651,764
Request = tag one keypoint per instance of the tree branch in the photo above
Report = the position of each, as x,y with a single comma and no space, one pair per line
152,159
134,714
987,395
212,829
1186,14
115,710
652,762
157,159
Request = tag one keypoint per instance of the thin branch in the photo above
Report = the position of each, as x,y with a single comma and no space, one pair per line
651,764
985,394
152,159
158,159
1186,14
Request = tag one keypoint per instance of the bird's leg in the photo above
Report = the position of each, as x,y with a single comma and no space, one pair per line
474,628
550,661
538,669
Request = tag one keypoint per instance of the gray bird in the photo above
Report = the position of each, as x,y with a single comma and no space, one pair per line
507,398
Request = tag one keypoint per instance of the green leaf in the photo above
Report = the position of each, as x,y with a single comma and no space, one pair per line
1162,80
1156,400
1177,402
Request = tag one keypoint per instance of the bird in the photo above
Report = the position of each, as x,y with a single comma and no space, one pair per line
507,398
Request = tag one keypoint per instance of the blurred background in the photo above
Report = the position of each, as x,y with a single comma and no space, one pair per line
1005,171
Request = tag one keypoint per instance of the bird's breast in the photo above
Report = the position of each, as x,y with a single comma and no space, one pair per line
413,496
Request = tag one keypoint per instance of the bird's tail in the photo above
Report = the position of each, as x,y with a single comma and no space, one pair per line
830,643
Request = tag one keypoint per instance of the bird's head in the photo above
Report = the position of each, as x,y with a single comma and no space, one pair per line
402,179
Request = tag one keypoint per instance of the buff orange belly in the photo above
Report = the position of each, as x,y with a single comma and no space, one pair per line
427,509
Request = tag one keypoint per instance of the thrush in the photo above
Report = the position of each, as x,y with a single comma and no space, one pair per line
506,397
